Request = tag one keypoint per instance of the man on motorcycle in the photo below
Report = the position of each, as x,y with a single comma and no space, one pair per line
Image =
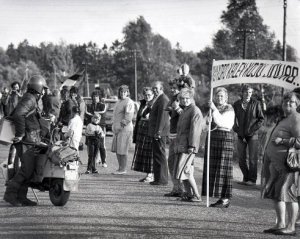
27,137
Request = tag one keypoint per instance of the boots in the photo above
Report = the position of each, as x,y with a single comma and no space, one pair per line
11,194
22,197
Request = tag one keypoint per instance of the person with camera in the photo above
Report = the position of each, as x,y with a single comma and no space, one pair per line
12,98
27,137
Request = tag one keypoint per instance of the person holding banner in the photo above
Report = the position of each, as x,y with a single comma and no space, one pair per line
189,129
221,151
282,184
249,118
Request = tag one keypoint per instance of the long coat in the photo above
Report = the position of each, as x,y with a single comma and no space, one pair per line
159,122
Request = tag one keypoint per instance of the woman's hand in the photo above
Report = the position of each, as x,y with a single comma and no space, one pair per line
277,140
212,105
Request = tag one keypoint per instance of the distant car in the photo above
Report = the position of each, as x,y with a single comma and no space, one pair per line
110,104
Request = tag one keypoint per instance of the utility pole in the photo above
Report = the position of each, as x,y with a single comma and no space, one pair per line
135,76
284,37
54,70
245,32
86,78
135,72
284,31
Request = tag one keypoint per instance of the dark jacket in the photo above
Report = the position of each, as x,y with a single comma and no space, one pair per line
11,102
247,122
139,115
159,122
66,110
174,115
26,119
94,107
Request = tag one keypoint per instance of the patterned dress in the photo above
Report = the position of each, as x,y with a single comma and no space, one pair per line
143,156
221,155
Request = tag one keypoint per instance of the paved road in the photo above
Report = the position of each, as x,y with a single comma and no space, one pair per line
110,206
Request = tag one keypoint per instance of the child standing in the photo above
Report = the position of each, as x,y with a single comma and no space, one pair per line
95,143
75,128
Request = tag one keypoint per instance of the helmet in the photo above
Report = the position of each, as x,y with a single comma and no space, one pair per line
37,83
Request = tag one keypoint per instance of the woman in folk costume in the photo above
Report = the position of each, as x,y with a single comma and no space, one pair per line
143,157
122,127
221,151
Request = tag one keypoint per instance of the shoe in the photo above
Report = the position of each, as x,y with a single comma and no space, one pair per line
250,183
95,172
104,165
172,194
284,233
87,172
12,201
158,183
27,202
242,183
148,180
185,197
196,199
119,172
220,204
271,230
142,180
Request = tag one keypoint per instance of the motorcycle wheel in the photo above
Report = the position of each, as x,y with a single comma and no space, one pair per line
58,196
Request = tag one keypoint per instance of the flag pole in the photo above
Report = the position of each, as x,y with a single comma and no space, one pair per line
208,143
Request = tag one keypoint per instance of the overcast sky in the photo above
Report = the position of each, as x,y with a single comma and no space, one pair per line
192,23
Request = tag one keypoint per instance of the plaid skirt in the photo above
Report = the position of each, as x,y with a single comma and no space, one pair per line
220,165
143,156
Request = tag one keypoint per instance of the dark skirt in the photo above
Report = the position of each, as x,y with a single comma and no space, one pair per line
143,156
220,165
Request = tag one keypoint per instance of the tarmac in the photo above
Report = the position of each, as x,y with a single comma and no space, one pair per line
119,206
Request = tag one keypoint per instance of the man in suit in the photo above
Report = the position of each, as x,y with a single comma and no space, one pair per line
158,130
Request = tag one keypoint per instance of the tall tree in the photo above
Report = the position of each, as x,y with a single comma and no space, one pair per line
244,36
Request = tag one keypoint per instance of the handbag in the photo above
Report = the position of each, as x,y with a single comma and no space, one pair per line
60,153
293,159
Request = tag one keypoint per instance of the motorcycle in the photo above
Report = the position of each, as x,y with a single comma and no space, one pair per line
57,171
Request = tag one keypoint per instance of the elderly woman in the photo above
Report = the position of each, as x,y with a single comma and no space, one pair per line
143,158
282,185
187,144
122,127
221,151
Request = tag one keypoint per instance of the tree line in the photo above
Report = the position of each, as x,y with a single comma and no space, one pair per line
156,59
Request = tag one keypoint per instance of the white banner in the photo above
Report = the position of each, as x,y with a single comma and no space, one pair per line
280,73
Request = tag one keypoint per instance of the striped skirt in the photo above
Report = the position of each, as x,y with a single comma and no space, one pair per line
143,156
220,165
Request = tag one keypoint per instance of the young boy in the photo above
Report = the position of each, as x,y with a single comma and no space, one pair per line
95,142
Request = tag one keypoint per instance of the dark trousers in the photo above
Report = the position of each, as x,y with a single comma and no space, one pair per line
28,159
95,146
160,164
249,172
17,187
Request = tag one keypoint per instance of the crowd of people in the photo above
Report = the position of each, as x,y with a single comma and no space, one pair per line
177,122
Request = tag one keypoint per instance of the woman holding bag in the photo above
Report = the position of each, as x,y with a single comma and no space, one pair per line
282,184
